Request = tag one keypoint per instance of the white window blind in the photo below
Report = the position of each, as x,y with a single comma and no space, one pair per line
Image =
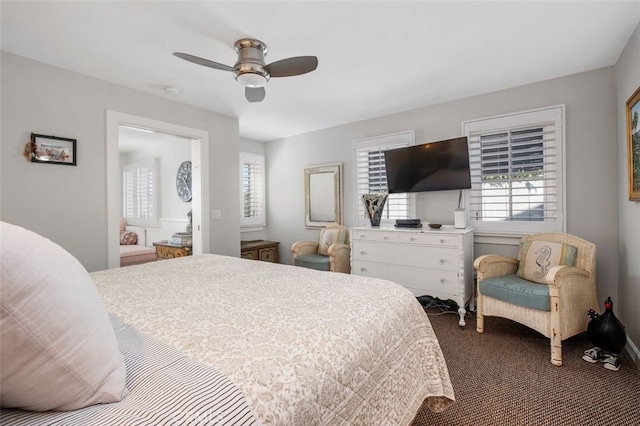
517,172
140,192
370,176
252,184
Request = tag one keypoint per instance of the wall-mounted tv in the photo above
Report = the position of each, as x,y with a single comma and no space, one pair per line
433,166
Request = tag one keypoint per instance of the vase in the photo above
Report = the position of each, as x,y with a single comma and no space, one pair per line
373,206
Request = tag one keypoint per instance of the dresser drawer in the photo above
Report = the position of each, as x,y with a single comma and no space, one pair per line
421,281
431,239
364,235
406,254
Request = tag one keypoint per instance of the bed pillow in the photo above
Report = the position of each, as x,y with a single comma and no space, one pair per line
329,236
59,350
128,238
537,257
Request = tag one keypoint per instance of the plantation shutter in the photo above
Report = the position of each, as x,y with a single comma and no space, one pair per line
370,176
140,193
517,173
252,176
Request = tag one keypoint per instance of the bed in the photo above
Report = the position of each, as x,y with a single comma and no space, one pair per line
293,346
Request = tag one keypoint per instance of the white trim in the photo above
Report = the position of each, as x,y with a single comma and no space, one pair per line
258,222
365,143
633,351
554,113
200,174
497,238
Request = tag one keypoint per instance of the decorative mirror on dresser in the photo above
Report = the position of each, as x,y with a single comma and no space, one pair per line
323,195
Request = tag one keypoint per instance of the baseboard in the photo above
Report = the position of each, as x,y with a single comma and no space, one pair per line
633,352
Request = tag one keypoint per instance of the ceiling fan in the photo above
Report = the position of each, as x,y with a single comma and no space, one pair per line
251,71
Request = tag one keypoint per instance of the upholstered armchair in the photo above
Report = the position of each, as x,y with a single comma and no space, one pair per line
331,253
550,287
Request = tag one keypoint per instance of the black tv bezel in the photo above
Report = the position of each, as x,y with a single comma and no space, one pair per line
413,148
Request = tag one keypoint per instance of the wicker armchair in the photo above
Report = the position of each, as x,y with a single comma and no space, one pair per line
571,291
332,253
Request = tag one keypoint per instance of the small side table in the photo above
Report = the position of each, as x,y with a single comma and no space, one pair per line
267,251
166,250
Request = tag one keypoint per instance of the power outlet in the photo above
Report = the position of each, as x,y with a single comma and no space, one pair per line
215,215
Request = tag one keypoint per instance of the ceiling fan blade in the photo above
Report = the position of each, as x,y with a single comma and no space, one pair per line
202,61
292,66
254,94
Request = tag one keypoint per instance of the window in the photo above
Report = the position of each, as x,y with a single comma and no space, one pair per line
517,171
370,176
252,178
140,192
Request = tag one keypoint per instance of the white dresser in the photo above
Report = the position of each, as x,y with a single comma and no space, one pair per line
437,263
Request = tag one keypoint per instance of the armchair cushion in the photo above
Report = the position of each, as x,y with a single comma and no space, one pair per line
517,291
537,257
313,261
329,236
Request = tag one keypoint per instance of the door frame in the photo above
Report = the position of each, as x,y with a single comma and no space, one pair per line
200,178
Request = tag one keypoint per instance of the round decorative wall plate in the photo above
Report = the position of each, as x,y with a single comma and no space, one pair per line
183,181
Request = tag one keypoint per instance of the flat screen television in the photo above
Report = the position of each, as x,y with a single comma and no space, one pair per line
433,166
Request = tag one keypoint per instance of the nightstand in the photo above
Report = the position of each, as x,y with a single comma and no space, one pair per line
166,250
267,251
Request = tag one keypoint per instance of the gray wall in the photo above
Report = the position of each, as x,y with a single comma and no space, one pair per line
627,78
591,155
69,204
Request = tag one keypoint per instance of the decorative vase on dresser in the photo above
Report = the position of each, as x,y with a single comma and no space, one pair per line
374,205
433,262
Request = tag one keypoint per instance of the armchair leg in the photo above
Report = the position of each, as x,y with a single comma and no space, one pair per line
556,352
479,316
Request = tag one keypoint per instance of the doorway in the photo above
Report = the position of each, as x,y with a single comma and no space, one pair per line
199,155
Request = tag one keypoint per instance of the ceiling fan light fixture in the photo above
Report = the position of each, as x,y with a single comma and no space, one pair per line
250,79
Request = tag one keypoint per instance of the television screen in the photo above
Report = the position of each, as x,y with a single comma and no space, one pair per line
434,166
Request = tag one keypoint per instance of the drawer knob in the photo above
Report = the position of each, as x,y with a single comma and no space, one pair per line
364,253
386,238
442,261
363,269
412,239
441,241
363,236
442,280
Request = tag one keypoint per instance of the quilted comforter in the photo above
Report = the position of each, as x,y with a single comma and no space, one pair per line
305,347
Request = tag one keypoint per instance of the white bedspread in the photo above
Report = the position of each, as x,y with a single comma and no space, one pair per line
305,347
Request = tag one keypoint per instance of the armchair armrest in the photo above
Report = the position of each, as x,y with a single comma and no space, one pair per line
495,265
301,248
340,258
559,274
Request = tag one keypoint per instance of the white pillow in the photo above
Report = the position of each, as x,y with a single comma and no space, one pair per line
58,351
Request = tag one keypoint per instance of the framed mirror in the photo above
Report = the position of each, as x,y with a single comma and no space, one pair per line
323,195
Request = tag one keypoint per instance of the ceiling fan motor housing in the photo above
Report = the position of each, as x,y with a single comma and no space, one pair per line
249,69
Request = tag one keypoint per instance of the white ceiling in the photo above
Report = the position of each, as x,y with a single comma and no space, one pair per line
375,58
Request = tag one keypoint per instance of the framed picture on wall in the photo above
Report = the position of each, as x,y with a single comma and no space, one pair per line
53,150
633,145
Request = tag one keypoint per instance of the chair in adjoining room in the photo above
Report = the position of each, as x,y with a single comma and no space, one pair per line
550,287
331,253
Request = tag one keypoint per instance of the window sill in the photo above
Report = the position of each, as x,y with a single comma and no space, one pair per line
500,238
251,228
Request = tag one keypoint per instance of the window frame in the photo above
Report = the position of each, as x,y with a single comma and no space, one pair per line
258,222
154,200
382,143
529,118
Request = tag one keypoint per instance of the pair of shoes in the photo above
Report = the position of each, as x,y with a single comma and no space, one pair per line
593,355
611,362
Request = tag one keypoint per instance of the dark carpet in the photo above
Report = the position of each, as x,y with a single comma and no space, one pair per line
504,377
